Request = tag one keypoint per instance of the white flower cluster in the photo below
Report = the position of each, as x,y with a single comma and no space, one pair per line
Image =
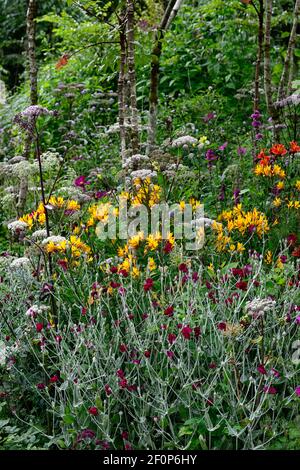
17,226
202,221
136,161
184,141
72,192
50,161
143,174
35,310
39,234
257,307
293,99
23,168
56,239
20,264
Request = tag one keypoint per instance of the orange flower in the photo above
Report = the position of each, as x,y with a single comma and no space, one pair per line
294,147
62,61
278,149
265,161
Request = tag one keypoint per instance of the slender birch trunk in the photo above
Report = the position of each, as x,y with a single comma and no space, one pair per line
31,32
288,62
169,14
273,112
32,68
121,84
174,12
267,58
260,45
132,78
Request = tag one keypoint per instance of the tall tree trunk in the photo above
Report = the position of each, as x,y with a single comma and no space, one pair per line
121,84
31,30
267,58
273,112
168,16
174,12
132,78
289,54
260,45
32,69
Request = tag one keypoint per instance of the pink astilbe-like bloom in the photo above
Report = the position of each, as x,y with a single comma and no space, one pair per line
297,391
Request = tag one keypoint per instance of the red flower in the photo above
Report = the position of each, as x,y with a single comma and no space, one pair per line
83,310
113,269
242,285
222,326
120,374
81,182
171,338
148,284
123,273
270,390
212,365
93,410
128,446
123,348
186,332
278,149
62,62
169,311
41,386
108,390
296,252
197,331
123,383
292,239
147,353
54,379
168,247
294,147
261,369
124,435
63,264
170,354
39,327
183,268
275,373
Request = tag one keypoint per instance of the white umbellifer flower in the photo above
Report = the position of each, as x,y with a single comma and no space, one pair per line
23,168
20,263
56,239
39,234
184,140
50,161
143,174
203,221
257,307
17,226
135,161
35,310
